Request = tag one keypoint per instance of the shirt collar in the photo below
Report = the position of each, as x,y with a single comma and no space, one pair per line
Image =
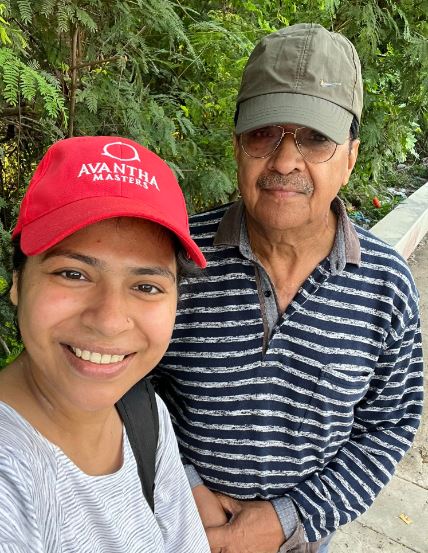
229,229
346,249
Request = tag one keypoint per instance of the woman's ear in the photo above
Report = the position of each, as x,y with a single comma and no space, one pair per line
13,294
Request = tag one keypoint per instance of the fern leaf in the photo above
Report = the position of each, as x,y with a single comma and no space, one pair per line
47,7
64,16
4,37
85,19
9,68
25,10
89,97
53,100
28,84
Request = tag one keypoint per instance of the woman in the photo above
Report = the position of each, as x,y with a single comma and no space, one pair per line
97,240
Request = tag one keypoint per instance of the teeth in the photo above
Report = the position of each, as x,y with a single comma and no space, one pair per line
95,357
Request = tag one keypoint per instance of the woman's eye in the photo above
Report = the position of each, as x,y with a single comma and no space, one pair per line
148,289
71,275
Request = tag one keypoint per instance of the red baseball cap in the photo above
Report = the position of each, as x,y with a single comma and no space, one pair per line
87,179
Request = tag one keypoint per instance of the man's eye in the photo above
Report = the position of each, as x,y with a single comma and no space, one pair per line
259,134
317,137
148,289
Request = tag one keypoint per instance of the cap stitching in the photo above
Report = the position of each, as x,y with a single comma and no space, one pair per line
356,71
302,57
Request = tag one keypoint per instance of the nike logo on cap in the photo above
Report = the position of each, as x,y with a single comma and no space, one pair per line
326,84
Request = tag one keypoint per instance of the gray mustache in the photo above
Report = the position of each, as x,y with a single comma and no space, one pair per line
295,183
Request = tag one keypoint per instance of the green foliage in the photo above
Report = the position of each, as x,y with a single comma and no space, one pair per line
20,82
9,348
391,38
166,74
25,10
8,342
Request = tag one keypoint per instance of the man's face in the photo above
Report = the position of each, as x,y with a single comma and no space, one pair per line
284,192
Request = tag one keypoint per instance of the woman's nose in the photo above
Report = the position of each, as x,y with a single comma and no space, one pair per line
108,313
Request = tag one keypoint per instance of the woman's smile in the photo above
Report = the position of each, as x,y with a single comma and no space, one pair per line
93,364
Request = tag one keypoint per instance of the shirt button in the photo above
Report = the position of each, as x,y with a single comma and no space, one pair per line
268,293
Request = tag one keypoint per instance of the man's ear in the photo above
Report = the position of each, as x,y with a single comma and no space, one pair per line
235,146
13,294
352,159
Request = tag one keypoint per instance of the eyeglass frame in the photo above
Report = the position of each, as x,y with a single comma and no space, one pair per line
284,132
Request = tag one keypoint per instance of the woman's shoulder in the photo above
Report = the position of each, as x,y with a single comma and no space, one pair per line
27,477
21,443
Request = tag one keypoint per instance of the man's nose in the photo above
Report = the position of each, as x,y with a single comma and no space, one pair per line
287,157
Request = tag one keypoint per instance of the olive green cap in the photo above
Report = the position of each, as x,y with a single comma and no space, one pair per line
302,75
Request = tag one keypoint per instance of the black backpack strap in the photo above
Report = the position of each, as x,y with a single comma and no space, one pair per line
139,413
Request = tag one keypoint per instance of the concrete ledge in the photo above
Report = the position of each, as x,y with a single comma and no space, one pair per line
381,529
405,226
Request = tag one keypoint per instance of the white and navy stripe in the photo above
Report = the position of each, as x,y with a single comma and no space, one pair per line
325,413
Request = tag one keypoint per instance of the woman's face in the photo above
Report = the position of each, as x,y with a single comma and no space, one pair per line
96,312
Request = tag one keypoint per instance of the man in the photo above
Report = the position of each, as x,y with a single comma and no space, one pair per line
294,377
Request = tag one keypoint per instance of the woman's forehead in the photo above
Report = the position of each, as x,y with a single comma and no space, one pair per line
118,239
140,231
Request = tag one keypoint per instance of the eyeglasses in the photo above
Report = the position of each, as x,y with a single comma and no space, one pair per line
313,146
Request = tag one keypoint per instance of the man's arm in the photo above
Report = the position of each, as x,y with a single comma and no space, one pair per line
254,527
385,422
209,506
269,521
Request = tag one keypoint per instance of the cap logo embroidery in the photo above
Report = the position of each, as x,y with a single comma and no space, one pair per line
134,156
325,84
119,172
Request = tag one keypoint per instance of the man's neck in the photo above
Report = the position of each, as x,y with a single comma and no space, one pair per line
312,240
289,256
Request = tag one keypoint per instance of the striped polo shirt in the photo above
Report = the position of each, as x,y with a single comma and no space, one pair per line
318,405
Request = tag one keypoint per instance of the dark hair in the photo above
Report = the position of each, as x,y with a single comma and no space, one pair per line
18,256
354,131
186,267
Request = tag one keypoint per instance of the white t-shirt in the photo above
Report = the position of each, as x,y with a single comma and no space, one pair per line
48,505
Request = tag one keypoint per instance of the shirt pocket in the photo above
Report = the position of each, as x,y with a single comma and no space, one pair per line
332,403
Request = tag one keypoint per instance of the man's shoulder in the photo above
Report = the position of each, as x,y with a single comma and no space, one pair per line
207,222
378,257
377,249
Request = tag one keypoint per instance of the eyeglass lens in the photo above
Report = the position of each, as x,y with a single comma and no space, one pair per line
314,146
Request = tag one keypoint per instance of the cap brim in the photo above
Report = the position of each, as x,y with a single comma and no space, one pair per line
45,232
297,109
